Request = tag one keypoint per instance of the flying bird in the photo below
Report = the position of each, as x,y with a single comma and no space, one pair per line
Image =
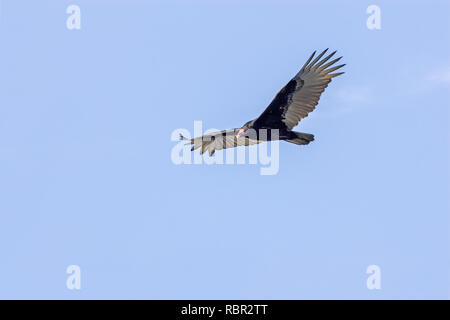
294,102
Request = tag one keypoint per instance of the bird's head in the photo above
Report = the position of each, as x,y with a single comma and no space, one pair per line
245,127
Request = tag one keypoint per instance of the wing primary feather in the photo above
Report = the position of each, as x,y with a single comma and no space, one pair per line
309,60
332,75
203,149
325,60
334,68
329,64
317,58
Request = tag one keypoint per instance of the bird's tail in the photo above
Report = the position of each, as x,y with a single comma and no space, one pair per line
300,138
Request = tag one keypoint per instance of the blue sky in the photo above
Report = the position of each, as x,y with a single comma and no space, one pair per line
86,176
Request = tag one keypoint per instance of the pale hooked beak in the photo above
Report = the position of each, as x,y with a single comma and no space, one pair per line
241,132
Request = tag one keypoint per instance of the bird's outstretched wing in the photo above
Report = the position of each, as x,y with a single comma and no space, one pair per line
220,140
300,96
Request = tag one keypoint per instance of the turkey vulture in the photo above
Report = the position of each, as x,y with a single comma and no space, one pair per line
294,102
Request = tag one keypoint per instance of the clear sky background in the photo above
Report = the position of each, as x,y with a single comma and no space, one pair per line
86,176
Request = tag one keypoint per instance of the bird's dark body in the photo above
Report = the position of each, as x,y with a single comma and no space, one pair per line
271,117
265,134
